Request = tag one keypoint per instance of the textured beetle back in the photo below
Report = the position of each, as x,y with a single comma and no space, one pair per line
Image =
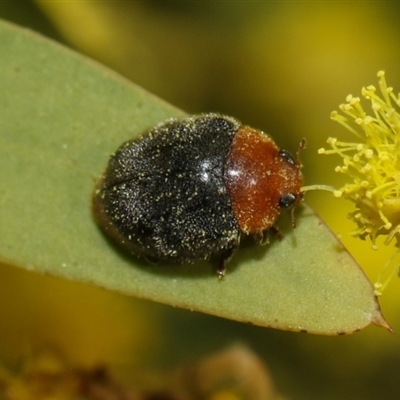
163,195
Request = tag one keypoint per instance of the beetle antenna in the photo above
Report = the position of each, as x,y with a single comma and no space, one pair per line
327,188
302,145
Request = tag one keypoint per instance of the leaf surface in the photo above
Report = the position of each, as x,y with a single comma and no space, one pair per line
61,116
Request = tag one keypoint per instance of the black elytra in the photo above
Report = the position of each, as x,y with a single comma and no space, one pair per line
163,196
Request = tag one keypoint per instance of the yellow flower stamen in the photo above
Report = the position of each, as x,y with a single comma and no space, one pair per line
393,268
372,164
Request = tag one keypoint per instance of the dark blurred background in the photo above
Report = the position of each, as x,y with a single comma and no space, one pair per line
278,66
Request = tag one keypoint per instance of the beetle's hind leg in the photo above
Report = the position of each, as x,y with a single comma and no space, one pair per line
221,270
224,258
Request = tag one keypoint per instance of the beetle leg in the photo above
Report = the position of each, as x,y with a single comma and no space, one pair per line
221,268
261,238
225,257
276,232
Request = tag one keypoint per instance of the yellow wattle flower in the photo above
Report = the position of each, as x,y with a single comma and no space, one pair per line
372,162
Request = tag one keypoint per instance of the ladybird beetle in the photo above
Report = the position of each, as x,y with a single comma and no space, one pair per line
188,188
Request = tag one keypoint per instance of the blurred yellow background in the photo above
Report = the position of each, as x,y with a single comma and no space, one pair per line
279,66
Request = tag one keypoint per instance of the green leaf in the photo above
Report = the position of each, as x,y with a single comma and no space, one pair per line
61,115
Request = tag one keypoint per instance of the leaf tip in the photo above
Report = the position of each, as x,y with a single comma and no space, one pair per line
379,320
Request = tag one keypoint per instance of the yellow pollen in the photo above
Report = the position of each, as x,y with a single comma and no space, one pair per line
372,165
